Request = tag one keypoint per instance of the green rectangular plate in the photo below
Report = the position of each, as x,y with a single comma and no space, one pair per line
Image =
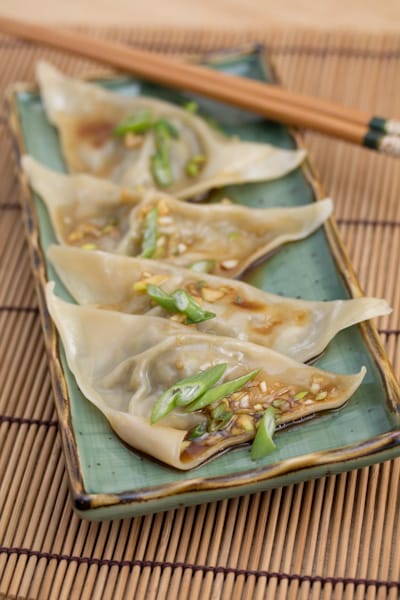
109,480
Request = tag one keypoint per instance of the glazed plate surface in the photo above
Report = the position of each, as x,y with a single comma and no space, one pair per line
108,479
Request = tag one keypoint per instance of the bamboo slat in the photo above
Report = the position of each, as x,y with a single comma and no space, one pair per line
337,537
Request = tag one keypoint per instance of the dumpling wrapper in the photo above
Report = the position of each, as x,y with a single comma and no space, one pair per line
231,235
86,115
123,363
300,329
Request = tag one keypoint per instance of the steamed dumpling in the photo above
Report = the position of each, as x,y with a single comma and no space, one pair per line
87,114
297,328
230,237
124,363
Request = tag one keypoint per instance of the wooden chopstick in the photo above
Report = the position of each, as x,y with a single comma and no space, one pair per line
271,101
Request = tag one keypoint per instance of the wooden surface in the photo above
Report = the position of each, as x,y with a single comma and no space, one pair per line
365,15
336,538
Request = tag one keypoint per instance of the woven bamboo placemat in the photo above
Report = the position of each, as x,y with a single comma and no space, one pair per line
337,537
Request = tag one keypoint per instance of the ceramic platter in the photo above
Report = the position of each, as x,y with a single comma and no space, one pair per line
108,479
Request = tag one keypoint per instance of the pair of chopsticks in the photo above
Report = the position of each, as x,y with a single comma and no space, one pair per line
271,101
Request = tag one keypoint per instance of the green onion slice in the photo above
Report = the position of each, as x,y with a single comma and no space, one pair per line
162,298
179,302
161,169
165,129
219,422
187,305
149,240
222,391
186,390
141,122
195,164
263,443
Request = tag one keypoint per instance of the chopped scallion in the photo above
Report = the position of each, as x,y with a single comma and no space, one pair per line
197,431
186,390
141,122
187,305
263,443
222,391
161,169
150,232
179,302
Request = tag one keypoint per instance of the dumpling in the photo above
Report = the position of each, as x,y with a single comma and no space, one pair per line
226,237
168,148
129,366
297,328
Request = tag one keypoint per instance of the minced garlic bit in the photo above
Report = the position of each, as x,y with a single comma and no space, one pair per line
315,388
229,264
263,386
165,220
127,196
181,248
132,140
211,295
141,286
108,228
178,318
226,201
84,230
243,423
244,401
75,236
162,207
161,241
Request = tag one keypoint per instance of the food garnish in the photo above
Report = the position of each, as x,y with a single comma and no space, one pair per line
150,232
161,168
263,443
179,302
140,122
222,391
195,164
186,390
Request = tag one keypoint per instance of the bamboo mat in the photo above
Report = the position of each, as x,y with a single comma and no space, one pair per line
337,537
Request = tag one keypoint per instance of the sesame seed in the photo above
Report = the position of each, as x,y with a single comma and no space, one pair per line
165,220
229,264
